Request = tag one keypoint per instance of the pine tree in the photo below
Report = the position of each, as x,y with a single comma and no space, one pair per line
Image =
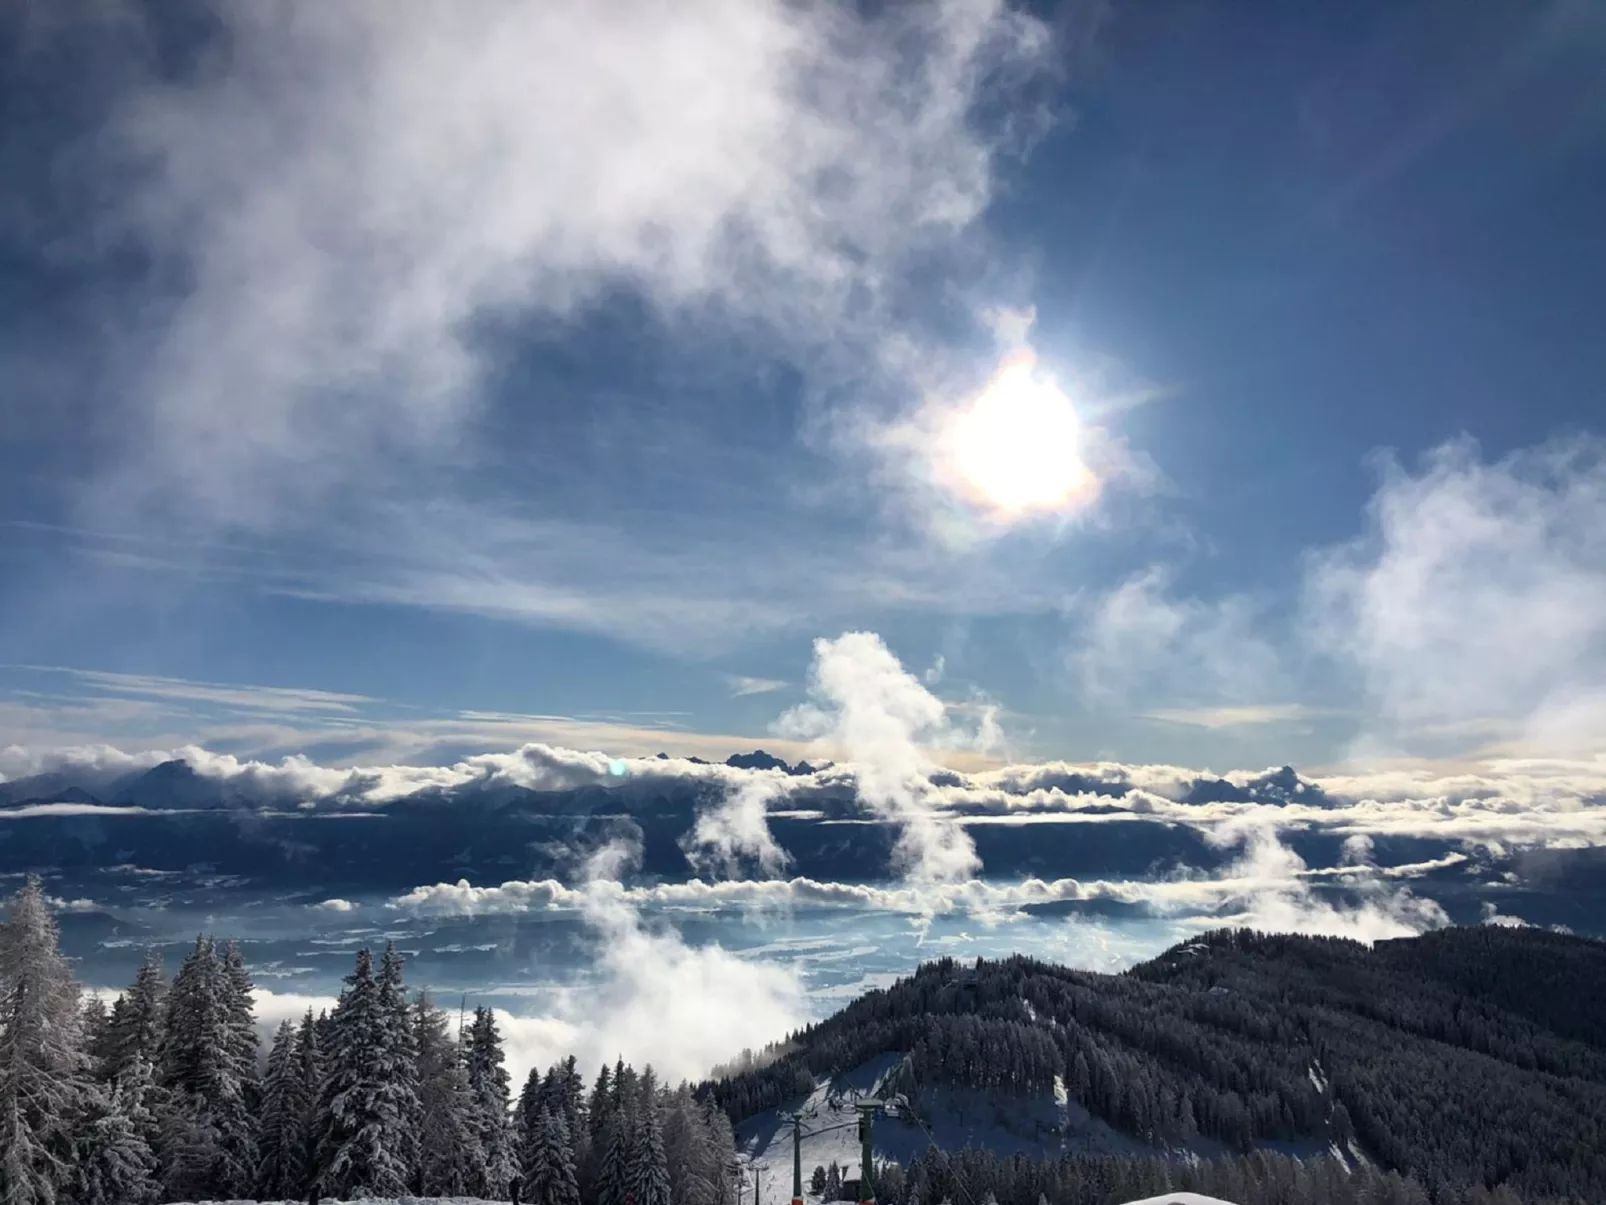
44,1073
450,1159
363,1109
113,1163
488,1083
240,1023
690,1147
208,1072
402,1053
94,1025
134,1029
527,1116
589,1147
303,1093
548,1171
613,1160
279,1152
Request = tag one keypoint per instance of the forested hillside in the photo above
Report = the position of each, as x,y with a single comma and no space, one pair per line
166,1097
1466,1059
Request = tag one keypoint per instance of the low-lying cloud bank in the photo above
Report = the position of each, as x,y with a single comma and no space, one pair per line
1509,803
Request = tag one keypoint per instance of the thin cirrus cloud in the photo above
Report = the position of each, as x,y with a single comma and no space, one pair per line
741,685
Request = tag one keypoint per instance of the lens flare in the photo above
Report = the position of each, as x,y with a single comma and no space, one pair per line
1017,447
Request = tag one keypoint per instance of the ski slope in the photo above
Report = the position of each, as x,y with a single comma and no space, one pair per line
950,1120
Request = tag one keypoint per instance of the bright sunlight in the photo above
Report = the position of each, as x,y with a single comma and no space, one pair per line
1017,446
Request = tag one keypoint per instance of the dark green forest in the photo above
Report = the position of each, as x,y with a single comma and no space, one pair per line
1464,1065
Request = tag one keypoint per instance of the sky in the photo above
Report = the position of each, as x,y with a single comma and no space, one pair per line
1163,384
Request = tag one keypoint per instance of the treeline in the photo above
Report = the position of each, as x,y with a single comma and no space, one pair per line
163,1097
1465,1059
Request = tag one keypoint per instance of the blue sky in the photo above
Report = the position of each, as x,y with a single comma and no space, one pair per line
384,386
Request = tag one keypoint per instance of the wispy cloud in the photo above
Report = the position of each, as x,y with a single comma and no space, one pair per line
239,697
1471,606
765,165
1247,716
1140,643
741,686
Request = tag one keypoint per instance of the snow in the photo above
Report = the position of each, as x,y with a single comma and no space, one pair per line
1050,1124
366,1201
1180,1198
1317,1078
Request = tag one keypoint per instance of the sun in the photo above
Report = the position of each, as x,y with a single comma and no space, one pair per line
1017,447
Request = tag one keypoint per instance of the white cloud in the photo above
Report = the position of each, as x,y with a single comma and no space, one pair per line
1493,916
1275,893
863,700
737,827
336,905
1471,609
742,685
1139,643
241,697
1216,718
345,230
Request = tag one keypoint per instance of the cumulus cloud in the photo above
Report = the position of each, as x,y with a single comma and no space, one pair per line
864,701
1470,609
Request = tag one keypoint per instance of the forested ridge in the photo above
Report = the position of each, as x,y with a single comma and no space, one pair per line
165,1096
1466,1059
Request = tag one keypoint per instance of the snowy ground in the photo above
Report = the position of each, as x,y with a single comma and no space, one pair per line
365,1201
950,1120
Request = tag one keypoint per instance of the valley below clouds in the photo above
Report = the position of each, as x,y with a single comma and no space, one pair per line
575,893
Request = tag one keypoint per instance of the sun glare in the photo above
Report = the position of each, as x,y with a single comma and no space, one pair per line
1017,446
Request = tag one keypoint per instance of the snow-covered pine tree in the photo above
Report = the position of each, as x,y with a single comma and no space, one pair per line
207,1068
648,1174
589,1147
279,1171
700,1150
403,1053
612,1183
450,1161
548,1171
134,1029
242,1028
44,1072
363,1109
93,1024
527,1117
569,1099
301,1107
684,1140
488,1082
113,1163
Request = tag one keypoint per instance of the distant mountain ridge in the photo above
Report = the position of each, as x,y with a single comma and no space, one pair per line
177,784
